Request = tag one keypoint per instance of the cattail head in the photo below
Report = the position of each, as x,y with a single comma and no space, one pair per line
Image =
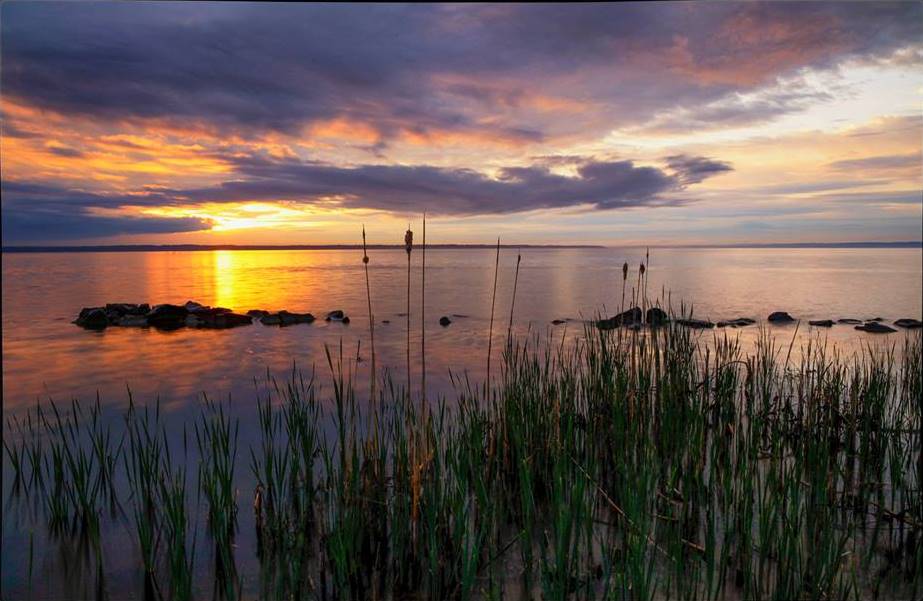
625,271
642,268
408,241
365,254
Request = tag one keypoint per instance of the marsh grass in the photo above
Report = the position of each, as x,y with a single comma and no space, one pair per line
627,464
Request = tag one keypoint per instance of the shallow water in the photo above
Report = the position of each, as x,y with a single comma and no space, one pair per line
45,356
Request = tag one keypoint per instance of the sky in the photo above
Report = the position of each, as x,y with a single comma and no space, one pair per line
618,124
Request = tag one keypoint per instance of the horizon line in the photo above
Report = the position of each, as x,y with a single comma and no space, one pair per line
449,246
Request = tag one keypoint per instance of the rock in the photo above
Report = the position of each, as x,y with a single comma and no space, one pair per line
656,316
740,322
780,317
271,320
218,321
127,309
459,315
821,323
698,324
193,321
629,317
167,317
874,327
92,318
557,322
876,319
193,306
286,318
257,313
131,321
910,324
849,321
444,321
385,321
337,315
345,319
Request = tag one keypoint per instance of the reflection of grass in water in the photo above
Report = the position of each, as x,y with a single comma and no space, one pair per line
629,466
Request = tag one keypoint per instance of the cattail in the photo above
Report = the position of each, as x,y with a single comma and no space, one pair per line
509,331
423,321
624,279
408,246
368,294
493,301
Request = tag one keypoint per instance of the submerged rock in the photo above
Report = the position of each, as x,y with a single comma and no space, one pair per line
874,327
780,317
257,313
910,324
849,321
698,324
740,322
444,321
336,315
557,322
286,318
821,323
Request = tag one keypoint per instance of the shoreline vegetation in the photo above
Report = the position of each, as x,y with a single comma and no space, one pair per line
627,464
212,247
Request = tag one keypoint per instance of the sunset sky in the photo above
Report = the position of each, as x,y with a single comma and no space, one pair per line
683,123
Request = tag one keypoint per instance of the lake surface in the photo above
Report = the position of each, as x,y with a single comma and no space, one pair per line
46,357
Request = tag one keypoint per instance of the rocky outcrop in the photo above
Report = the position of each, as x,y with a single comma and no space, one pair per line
910,324
656,316
92,318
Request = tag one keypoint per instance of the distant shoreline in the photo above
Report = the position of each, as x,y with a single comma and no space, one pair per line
209,247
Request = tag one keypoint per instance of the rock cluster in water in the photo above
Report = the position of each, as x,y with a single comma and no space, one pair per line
656,316
189,315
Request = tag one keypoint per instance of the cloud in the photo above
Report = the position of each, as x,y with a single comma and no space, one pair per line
34,212
520,73
455,191
694,169
880,163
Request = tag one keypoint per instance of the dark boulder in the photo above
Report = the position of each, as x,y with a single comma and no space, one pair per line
780,317
849,321
557,322
257,313
167,317
822,323
121,309
131,321
444,321
336,315
217,321
272,319
92,318
656,316
873,327
910,324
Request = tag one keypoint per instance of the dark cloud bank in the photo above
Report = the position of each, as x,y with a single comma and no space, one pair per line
32,211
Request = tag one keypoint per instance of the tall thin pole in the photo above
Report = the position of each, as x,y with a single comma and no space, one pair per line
493,301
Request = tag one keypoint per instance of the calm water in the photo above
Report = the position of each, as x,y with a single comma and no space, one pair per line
45,356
